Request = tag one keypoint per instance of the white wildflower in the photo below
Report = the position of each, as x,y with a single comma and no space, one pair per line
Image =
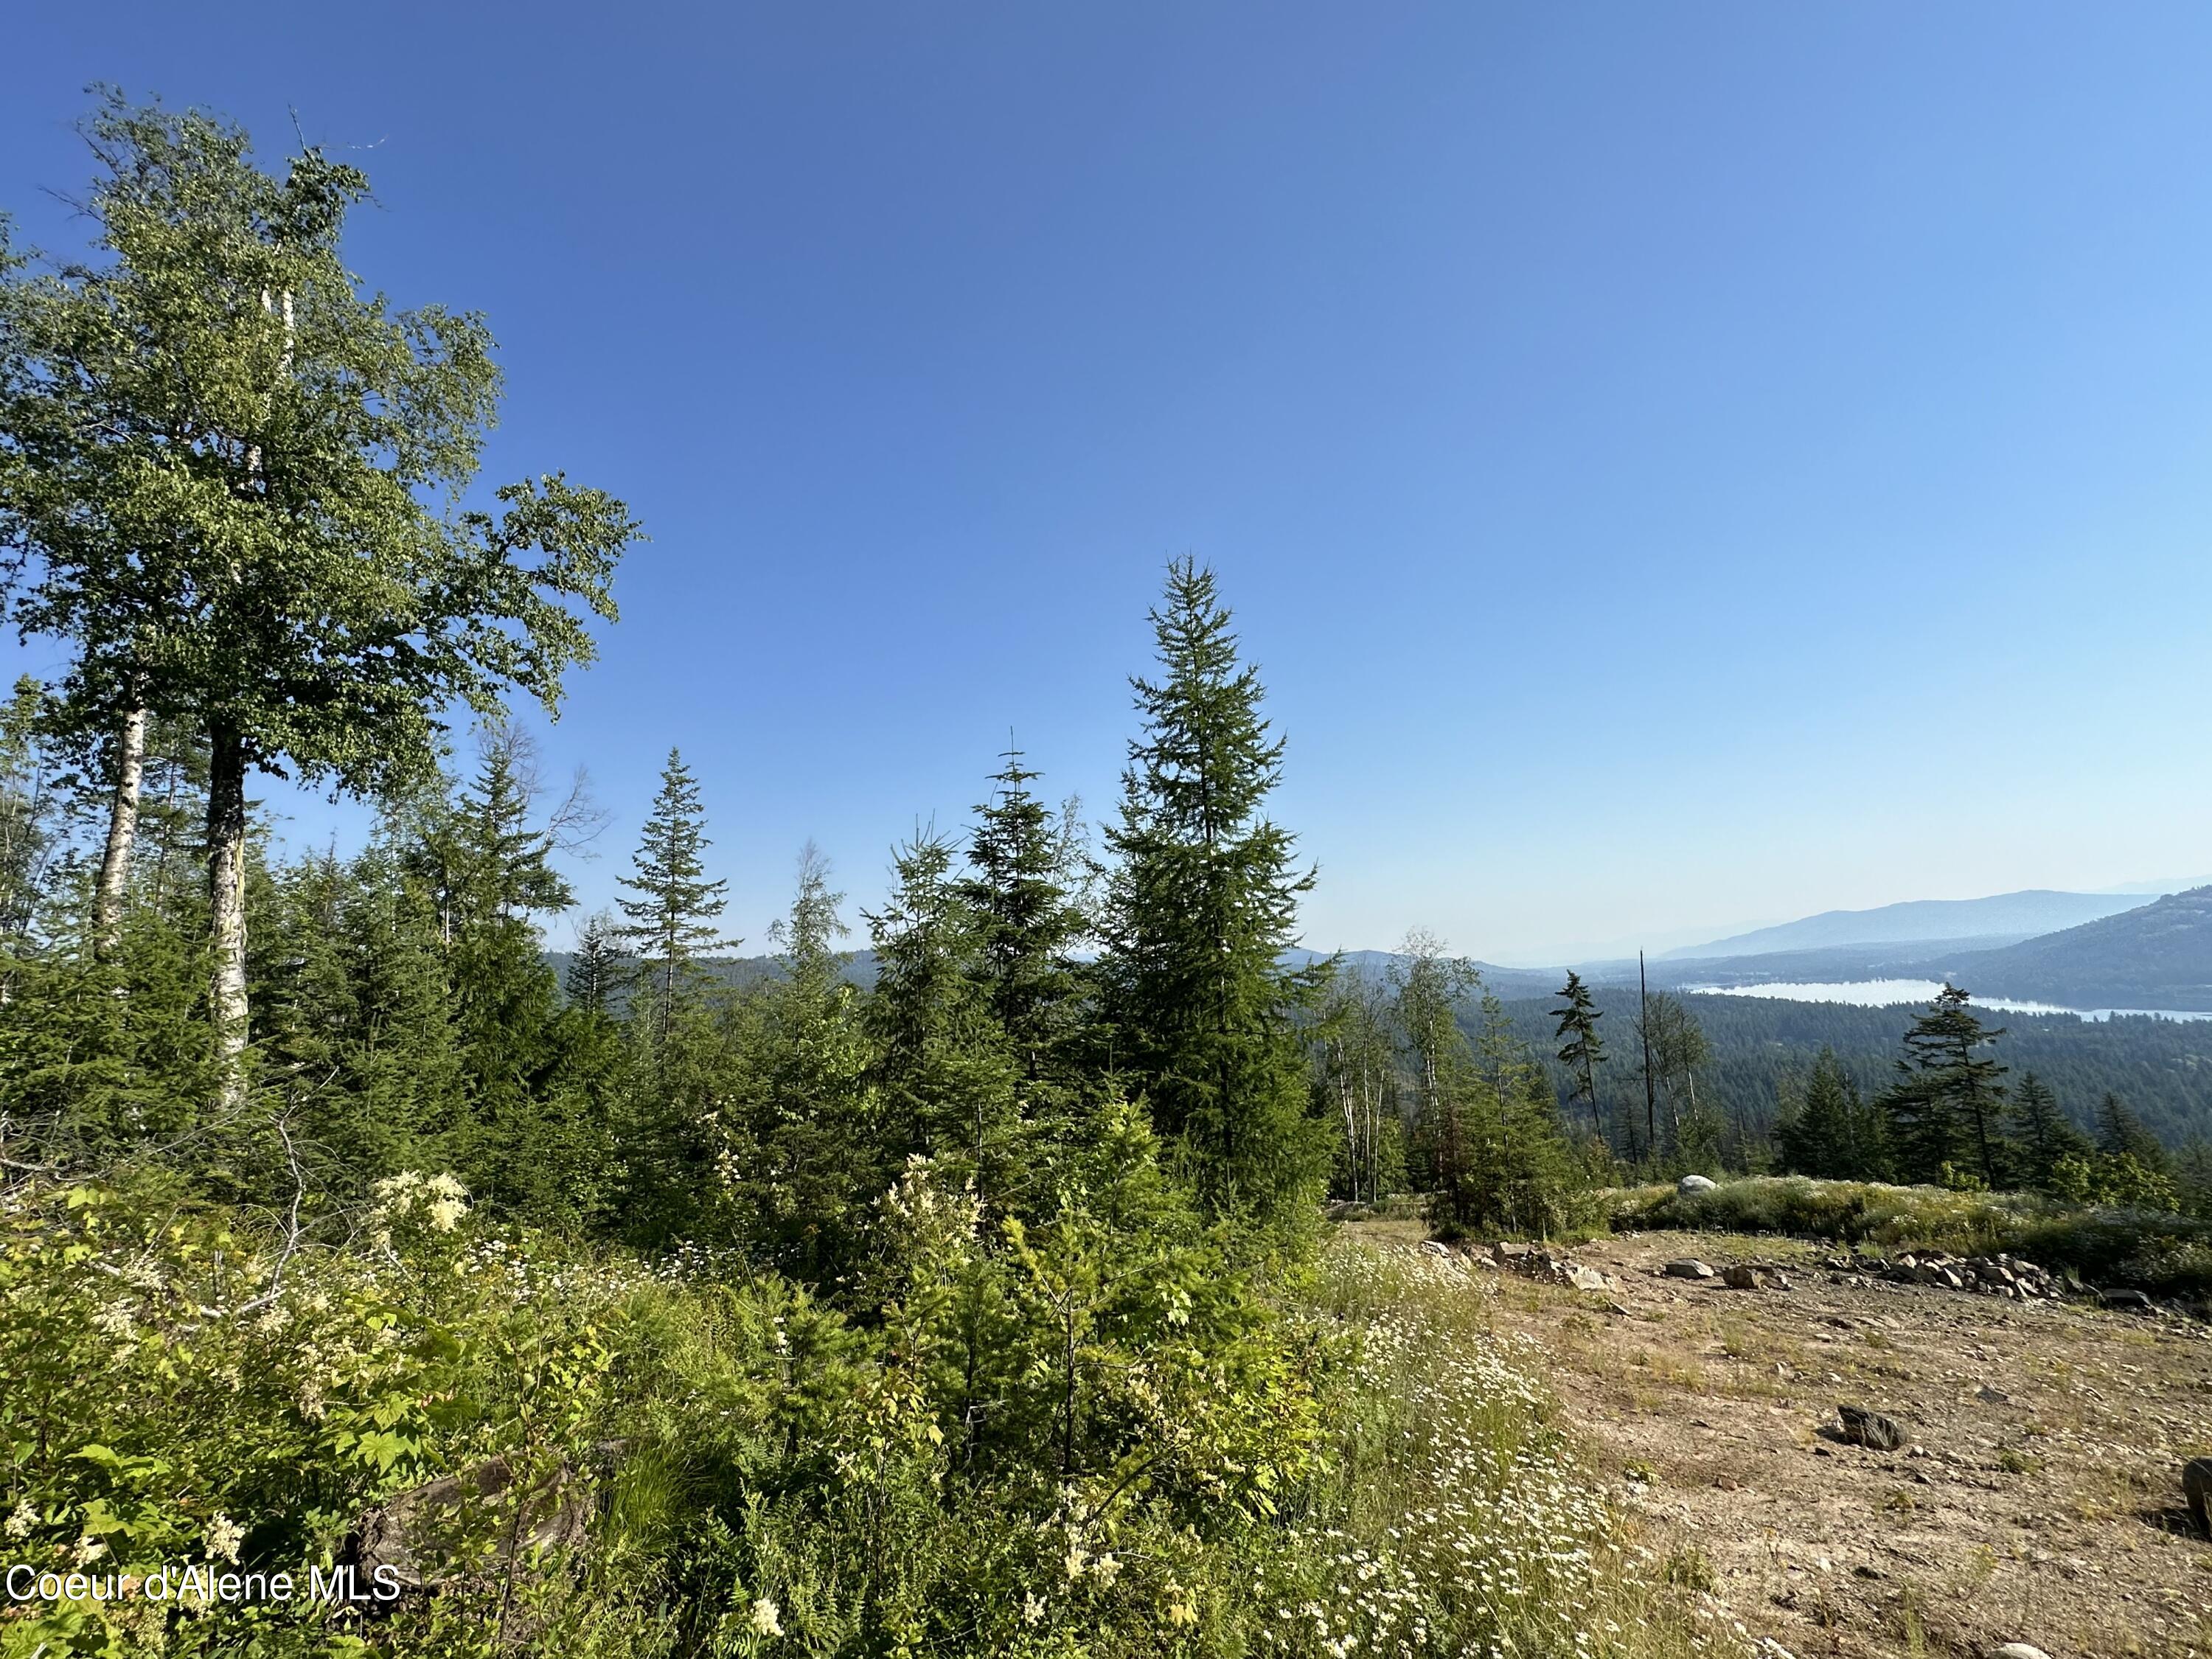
224,1536
116,1320
20,1520
767,1619
1032,1607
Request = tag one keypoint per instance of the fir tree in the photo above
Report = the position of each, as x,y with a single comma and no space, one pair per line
597,968
2042,1133
1946,1107
1830,1132
1582,1050
1202,907
1028,921
945,1063
2121,1133
672,919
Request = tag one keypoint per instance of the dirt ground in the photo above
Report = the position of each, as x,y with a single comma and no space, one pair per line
2038,1500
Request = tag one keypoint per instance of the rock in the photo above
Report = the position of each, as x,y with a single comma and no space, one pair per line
2125,1301
1615,1308
1433,1248
1589,1279
1691,1186
1870,1429
1741,1277
2018,1651
1510,1251
1990,1396
1688,1269
2196,1487
426,1534
1779,1281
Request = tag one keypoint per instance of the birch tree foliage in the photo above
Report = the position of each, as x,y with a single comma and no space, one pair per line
234,477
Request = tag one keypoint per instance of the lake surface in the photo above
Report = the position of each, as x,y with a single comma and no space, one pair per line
1899,992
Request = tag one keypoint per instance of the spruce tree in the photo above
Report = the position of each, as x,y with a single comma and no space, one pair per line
2042,1133
672,920
1201,909
1582,1050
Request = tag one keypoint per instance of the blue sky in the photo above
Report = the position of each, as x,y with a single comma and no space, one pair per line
1677,466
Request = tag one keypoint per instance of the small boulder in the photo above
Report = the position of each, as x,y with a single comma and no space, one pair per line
1688,1269
1690,1185
2196,1487
1871,1429
1509,1250
2125,1301
1589,1279
2018,1651
1741,1277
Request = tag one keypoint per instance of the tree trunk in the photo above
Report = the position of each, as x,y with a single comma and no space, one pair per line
226,838
122,835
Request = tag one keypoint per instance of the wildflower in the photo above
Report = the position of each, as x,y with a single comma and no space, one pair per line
224,1536
1077,1556
767,1619
1032,1607
311,1400
1106,1570
445,1213
115,1320
20,1520
89,1549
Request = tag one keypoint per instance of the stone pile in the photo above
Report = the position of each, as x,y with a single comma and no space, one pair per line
2007,1276
1542,1261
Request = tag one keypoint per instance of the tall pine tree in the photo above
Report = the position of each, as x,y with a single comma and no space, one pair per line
1201,909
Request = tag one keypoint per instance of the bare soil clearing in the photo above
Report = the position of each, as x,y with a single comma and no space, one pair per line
2039,1499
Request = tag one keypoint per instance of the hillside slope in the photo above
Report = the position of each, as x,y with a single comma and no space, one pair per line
2157,956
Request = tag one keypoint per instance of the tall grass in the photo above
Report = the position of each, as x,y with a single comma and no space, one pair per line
1456,1517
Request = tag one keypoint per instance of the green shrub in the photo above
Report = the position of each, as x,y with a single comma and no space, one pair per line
2161,1252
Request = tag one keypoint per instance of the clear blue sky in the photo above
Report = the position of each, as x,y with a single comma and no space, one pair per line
1677,465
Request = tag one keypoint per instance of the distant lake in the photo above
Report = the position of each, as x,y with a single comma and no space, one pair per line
1899,992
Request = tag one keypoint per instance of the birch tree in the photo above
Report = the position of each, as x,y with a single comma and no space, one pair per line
236,486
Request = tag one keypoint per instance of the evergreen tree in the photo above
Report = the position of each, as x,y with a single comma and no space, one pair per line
2042,1133
2121,1133
1830,1132
1028,921
814,1155
944,1065
1582,1050
597,968
1525,1178
1946,1107
672,920
1202,908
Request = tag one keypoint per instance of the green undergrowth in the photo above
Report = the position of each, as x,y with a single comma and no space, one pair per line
2164,1254
1340,1460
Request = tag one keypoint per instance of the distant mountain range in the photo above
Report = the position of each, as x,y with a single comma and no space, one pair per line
2073,949
2005,918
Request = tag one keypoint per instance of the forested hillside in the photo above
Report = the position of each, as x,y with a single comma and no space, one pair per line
2162,1068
